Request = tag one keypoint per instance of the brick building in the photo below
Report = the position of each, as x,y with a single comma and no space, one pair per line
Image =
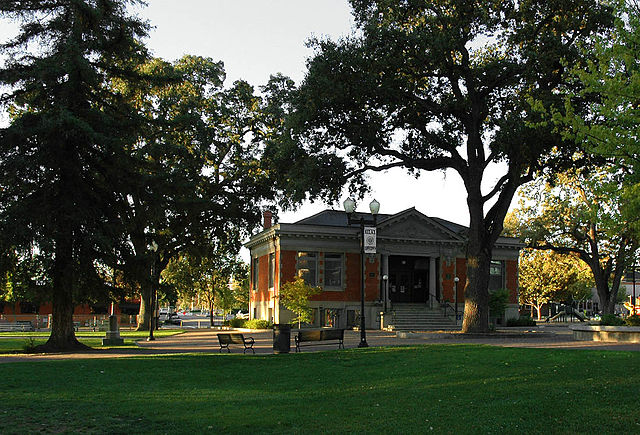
416,262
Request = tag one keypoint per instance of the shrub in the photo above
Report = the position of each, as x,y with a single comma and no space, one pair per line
257,324
498,302
611,320
632,320
521,321
237,323
29,345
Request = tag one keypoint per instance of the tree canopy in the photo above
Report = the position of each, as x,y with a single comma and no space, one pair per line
445,84
547,276
200,166
581,214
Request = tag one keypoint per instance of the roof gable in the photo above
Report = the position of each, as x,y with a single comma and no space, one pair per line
411,224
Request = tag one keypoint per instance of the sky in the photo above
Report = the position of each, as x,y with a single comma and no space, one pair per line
257,38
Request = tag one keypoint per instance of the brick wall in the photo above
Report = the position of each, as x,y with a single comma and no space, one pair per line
447,273
461,272
512,280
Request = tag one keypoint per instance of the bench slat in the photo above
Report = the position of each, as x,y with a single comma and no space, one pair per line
321,335
229,338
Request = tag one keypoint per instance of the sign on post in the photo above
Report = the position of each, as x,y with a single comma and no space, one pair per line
369,240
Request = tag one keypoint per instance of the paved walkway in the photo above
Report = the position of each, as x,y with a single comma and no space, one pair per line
205,341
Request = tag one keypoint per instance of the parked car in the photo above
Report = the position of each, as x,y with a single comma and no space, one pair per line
173,319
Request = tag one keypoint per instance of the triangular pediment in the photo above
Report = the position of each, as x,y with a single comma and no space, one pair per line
413,225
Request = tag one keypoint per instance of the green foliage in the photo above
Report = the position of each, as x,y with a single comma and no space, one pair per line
498,302
294,296
29,345
237,323
521,321
258,324
633,320
611,320
613,74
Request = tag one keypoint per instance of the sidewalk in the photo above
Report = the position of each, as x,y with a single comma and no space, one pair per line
205,341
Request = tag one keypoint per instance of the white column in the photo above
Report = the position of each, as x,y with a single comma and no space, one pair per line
384,263
432,281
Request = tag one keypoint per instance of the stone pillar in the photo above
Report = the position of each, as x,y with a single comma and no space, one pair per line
113,334
384,264
432,281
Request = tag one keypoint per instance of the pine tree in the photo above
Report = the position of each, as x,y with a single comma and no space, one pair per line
62,158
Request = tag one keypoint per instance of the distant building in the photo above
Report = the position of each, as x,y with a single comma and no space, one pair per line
419,255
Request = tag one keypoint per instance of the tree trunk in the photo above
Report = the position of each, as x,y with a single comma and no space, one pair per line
476,294
605,294
62,336
145,313
539,310
211,312
476,291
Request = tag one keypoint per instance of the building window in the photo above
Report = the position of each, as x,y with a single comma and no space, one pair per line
333,271
254,270
496,275
272,269
308,267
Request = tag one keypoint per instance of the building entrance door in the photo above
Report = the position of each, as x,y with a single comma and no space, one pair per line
408,279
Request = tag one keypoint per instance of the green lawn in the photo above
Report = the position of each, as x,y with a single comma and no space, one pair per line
81,333
439,388
15,342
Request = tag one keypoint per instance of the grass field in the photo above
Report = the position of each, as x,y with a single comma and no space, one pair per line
434,388
15,342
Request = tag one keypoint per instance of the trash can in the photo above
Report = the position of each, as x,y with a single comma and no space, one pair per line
281,338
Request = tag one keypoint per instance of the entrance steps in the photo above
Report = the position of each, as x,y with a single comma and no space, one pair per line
419,317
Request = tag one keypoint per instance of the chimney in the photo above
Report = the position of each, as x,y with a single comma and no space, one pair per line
267,215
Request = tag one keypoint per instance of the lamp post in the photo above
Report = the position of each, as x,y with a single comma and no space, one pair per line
456,280
152,290
350,207
633,300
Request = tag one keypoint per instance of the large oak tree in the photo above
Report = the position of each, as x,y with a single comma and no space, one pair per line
445,84
202,178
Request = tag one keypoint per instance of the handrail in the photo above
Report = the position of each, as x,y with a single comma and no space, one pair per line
447,305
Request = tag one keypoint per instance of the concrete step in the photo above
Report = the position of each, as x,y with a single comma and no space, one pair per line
419,317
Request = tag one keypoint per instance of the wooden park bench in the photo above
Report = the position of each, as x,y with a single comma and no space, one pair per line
227,339
20,325
312,337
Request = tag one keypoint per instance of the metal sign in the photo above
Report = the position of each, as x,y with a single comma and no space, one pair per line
369,240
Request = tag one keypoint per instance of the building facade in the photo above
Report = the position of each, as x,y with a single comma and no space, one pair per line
416,262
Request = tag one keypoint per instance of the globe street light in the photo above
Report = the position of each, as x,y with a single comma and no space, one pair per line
350,207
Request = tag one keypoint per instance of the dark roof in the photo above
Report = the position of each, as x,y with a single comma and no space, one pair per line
451,226
338,218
